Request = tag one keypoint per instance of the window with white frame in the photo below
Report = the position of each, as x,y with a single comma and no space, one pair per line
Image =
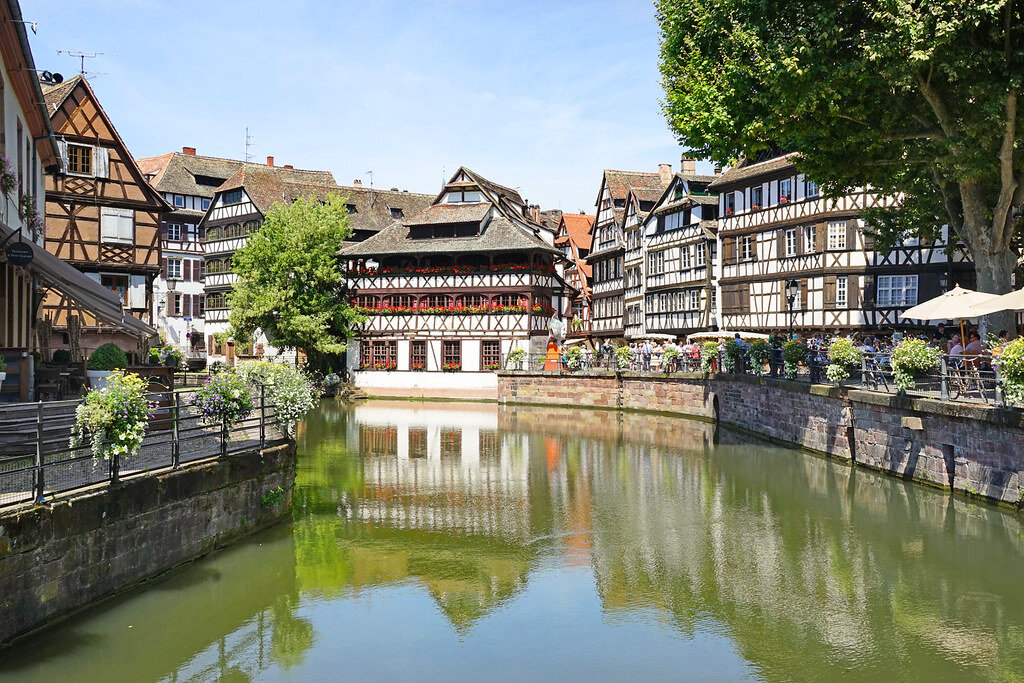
730,203
205,204
174,268
842,291
663,302
714,299
700,254
757,197
174,232
179,201
656,263
837,236
810,189
809,235
684,257
791,242
692,299
896,290
786,189
117,225
746,247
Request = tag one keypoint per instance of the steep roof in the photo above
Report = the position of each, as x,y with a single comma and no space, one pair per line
619,183
189,174
489,185
500,235
373,207
54,95
577,226
450,213
267,185
748,169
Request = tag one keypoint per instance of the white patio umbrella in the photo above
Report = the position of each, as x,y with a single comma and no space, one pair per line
1014,301
957,303
727,334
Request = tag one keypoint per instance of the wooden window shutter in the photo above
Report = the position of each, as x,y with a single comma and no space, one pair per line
820,236
753,246
168,305
783,304
163,268
210,348
829,292
799,239
781,243
745,299
803,294
869,240
728,249
853,295
186,269
851,235
163,230
867,291
101,162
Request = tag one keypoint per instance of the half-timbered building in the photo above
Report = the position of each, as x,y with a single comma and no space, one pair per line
572,236
188,182
449,292
608,246
778,231
102,217
680,254
237,210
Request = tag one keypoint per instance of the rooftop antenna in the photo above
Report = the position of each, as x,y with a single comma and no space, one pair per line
370,173
30,24
248,143
82,56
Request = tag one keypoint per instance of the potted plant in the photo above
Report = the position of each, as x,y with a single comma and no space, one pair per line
668,357
733,360
1009,361
623,357
841,355
514,359
61,357
102,364
417,367
451,367
493,366
793,353
709,357
760,352
784,199
114,416
223,398
167,356
574,357
755,207
912,358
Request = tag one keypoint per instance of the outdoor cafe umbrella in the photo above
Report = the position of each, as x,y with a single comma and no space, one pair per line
956,303
1014,301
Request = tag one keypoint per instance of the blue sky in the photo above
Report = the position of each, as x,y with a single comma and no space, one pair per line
535,95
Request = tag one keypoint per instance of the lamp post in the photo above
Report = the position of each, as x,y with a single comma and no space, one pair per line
792,290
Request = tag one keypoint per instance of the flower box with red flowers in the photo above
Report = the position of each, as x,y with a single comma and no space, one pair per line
451,367
783,199
418,367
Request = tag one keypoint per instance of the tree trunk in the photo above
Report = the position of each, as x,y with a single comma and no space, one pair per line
995,272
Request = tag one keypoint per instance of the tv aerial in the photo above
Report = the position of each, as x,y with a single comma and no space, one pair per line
82,56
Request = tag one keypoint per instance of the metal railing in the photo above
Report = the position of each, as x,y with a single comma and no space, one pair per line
37,463
968,379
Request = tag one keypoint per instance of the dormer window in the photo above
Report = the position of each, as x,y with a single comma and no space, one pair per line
467,197
232,197
396,213
351,208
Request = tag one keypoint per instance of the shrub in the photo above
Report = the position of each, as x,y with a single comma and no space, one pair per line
223,397
669,356
574,357
760,352
60,356
115,417
286,388
108,357
733,355
708,353
623,357
793,353
841,355
910,358
1010,362
331,379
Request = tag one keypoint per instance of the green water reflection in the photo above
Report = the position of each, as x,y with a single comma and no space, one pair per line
446,541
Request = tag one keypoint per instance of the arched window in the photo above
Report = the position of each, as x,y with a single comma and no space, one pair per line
366,301
435,301
251,227
214,233
509,300
216,300
472,300
400,300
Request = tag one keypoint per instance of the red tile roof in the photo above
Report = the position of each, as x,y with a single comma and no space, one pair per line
620,182
577,225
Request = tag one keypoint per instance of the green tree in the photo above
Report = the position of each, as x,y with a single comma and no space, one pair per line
914,99
289,278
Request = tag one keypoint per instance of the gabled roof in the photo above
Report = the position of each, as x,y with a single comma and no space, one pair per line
189,174
747,169
577,228
500,235
267,185
55,97
373,207
491,186
24,81
619,183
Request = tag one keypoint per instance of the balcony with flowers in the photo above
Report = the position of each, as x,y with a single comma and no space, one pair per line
450,276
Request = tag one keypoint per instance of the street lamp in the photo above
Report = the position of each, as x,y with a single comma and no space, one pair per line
944,282
792,290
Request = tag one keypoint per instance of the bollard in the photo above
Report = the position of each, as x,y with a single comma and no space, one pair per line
263,416
1000,396
175,417
40,483
864,371
944,381
223,436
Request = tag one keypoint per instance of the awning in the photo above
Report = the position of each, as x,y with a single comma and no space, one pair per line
84,291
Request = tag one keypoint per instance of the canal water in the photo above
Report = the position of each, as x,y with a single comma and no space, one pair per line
436,541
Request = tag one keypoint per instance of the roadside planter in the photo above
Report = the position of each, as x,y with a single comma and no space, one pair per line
102,364
912,359
114,417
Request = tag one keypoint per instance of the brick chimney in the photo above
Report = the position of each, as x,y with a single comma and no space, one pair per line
357,182
191,151
718,170
665,172
535,213
688,164
270,161
288,166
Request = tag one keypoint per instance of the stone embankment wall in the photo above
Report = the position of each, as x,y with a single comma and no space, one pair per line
971,448
56,560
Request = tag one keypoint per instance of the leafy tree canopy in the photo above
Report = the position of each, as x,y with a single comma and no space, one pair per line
289,278
918,100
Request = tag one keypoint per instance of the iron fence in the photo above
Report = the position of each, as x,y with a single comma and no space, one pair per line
959,378
37,463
